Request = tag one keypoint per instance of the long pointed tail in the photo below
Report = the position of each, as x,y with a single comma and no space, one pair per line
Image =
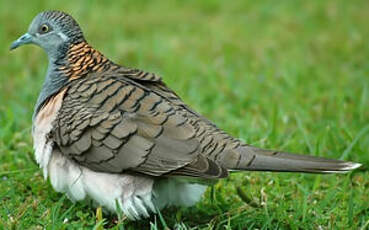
255,159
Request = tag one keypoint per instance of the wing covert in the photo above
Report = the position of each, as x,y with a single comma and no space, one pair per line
110,125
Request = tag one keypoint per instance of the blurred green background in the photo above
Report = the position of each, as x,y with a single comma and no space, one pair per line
289,75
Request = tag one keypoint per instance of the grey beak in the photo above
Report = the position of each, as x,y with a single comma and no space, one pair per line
24,39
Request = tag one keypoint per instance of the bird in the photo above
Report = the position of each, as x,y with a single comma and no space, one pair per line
123,138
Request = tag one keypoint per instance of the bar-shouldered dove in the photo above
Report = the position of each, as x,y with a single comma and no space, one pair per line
120,136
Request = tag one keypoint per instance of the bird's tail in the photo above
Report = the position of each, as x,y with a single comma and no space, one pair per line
250,158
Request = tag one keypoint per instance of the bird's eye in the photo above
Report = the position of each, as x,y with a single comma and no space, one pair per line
44,29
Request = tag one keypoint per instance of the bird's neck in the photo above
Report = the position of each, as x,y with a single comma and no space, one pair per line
73,62
81,59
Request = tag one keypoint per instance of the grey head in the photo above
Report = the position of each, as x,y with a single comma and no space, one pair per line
53,31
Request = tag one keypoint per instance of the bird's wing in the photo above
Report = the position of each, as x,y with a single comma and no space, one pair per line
111,124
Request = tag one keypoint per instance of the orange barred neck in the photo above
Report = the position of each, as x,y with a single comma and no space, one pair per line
83,59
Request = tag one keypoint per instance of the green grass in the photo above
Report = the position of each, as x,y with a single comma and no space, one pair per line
291,75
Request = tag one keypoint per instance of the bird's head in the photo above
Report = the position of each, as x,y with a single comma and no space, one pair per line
51,30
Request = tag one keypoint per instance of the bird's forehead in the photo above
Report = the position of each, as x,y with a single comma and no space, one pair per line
35,22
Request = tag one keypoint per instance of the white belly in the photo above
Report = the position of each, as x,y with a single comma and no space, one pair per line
133,194
136,196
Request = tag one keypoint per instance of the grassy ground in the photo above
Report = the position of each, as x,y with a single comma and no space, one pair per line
291,75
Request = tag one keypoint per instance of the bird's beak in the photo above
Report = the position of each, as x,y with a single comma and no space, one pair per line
24,39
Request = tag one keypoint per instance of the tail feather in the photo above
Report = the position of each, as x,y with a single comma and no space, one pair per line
255,159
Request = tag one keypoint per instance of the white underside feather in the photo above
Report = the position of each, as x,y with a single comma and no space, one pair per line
136,196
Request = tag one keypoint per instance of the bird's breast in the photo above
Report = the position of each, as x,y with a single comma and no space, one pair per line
42,126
